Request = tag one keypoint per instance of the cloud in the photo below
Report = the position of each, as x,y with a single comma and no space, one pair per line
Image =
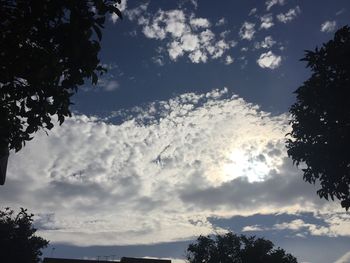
181,33
110,85
298,225
290,15
334,225
252,11
266,21
268,42
159,174
344,259
109,82
199,23
221,22
341,11
285,182
194,3
269,60
251,228
271,3
328,26
247,31
137,12
159,58
229,60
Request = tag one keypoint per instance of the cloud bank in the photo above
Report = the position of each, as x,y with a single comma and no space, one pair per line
158,175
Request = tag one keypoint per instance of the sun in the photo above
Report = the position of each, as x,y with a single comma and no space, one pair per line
252,164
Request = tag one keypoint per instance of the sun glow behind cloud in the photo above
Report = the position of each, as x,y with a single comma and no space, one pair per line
252,163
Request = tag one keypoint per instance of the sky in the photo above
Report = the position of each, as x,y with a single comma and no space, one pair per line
185,136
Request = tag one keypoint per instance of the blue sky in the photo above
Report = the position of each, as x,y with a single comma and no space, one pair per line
185,136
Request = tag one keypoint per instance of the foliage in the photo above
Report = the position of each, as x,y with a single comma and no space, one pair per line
18,242
231,248
320,136
48,48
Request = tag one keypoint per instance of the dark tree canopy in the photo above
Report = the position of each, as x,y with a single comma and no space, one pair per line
231,248
18,242
320,137
48,48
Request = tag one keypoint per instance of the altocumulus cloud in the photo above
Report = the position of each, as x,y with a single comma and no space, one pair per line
160,174
290,15
182,33
247,31
271,3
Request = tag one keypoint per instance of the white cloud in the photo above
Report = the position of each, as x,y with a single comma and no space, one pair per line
299,225
336,225
175,50
252,228
344,259
159,60
252,11
269,60
268,42
111,85
339,224
247,31
221,22
181,33
229,60
220,47
174,22
290,15
135,13
225,33
147,179
107,83
189,42
199,23
198,56
328,26
271,3
266,21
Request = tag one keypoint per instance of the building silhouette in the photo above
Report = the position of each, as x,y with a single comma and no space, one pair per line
122,260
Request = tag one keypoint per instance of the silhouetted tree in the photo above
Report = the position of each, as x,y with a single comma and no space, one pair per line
231,248
47,49
320,137
18,242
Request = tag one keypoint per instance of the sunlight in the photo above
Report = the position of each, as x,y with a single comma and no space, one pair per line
253,165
